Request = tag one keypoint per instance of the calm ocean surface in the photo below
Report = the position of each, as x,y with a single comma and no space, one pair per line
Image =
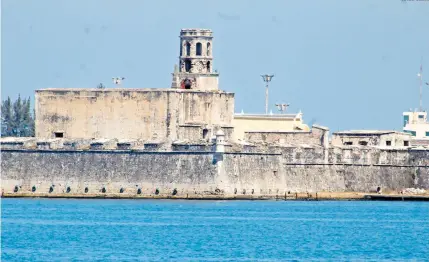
161,230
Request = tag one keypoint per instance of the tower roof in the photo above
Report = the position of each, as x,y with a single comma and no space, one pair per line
195,32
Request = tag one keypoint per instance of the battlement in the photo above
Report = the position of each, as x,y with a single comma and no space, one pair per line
192,32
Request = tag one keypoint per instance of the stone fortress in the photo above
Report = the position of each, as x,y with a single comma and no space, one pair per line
187,142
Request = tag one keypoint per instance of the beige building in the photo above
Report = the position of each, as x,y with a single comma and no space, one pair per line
149,114
377,138
193,109
244,123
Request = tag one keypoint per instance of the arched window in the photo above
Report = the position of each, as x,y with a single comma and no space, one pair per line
208,67
199,48
188,49
208,49
188,66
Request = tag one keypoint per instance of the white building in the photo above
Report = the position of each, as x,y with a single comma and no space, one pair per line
416,124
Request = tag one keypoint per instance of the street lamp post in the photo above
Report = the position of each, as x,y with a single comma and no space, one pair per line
267,79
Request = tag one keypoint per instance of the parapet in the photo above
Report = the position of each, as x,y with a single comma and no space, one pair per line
17,142
192,32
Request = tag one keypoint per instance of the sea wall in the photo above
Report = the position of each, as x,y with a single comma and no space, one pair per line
198,170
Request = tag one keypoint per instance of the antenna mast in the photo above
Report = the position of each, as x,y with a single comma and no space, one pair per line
420,75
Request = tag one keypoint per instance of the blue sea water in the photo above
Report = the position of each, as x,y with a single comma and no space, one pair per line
161,230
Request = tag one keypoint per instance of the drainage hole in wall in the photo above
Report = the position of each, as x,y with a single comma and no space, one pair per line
253,191
121,190
156,191
139,191
86,189
16,189
68,189
51,189
235,190
244,191
174,192
103,190
33,189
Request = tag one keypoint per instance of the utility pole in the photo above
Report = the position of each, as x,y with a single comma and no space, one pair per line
267,79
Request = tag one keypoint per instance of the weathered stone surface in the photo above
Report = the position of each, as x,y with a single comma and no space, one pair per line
203,170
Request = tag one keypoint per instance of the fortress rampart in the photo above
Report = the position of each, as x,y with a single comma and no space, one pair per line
205,170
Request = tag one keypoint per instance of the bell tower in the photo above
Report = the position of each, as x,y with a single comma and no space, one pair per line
195,61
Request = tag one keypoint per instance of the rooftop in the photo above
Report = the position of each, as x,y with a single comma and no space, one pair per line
114,89
277,116
366,132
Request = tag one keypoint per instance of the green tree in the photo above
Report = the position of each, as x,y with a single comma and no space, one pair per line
27,123
17,119
6,117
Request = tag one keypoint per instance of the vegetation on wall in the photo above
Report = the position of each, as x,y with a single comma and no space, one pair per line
17,118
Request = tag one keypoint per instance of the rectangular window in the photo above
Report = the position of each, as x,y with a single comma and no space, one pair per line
427,133
406,143
388,143
406,119
59,134
348,143
363,143
413,133
421,116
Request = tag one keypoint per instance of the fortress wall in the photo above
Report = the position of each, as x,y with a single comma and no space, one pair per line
195,168
102,113
277,174
151,114
112,170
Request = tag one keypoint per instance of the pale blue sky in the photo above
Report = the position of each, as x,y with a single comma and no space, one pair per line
346,64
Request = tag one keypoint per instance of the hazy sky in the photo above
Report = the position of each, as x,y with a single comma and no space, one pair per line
346,64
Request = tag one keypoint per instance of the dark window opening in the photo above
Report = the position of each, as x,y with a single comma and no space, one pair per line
406,143
208,49
363,143
348,143
188,49
187,83
208,67
205,133
199,49
188,66
59,134
388,143
421,116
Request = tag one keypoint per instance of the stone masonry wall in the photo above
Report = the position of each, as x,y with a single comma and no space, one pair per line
196,169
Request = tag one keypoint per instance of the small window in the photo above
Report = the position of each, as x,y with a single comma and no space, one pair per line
363,143
421,116
188,66
188,49
199,49
406,143
59,134
208,67
406,119
388,143
208,49
427,133
348,143
205,133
